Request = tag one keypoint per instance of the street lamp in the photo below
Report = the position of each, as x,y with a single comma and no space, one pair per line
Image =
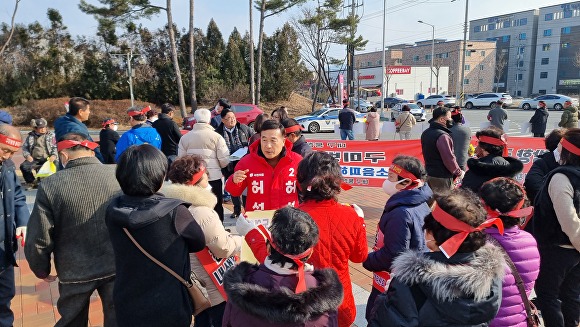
432,54
464,49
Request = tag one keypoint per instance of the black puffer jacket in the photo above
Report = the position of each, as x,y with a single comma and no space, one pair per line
540,169
489,167
539,121
430,290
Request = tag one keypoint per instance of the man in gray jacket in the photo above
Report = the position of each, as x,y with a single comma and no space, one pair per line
497,115
68,220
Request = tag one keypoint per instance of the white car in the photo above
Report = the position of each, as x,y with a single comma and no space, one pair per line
431,101
488,100
555,101
416,111
324,120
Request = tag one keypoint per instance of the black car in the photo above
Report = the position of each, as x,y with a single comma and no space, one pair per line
389,102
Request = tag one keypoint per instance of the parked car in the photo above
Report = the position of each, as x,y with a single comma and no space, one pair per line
245,114
361,105
431,101
389,102
488,100
553,101
416,111
323,120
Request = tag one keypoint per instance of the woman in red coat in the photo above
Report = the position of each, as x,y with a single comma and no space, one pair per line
342,230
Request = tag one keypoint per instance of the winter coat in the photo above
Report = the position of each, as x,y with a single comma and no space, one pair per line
268,188
68,124
301,147
220,242
539,121
259,296
497,116
430,290
569,117
144,293
108,139
461,136
138,134
373,126
540,169
523,251
346,118
203,141
169,132
402,227
49,144
489,167
405,121
14,213
71,226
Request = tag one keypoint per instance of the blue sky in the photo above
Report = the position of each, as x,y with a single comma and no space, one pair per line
402,17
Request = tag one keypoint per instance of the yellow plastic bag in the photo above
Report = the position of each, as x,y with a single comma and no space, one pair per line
47,169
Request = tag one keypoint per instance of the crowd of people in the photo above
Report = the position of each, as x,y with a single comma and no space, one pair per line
459,243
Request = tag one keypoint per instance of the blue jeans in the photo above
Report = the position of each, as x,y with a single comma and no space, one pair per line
344,133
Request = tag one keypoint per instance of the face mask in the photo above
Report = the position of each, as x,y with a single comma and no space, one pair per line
449,123
556,155
115,127
208,187
391,187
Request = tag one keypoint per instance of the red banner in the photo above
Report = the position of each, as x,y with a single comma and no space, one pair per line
394,70
366,163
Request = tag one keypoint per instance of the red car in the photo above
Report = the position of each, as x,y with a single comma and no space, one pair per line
245,114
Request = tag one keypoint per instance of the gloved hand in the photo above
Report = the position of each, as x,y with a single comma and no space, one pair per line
21,232
358,210
243,225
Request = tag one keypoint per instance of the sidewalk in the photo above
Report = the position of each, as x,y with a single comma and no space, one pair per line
35,302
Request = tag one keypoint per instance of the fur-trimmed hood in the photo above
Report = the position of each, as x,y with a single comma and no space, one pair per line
282,305
197,196
495,166
471,276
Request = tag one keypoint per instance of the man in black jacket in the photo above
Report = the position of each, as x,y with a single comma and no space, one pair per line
294,134
169,132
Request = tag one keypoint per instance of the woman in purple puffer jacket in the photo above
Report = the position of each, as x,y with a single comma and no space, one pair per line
504,198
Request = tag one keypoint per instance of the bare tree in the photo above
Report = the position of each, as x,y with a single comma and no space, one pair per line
500,65
192,89
437,64
174,58
12,27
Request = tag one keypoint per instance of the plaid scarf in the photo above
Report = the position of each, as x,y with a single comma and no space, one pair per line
233,139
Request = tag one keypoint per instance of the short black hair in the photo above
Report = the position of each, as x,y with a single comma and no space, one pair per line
141,170
223,102
225,111
77,103
293,231
495,150
406,108
75,136
553,139
572,135
464,205
151,113
289,122
503,194
319,177
167,108
412,165
273,124
140,117
457,118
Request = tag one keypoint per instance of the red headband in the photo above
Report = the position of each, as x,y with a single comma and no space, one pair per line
139,112
197,176
449,247
517,212
405,174
293,129
67,144
301,286
495,141
570,147
455,112
108,122
10,141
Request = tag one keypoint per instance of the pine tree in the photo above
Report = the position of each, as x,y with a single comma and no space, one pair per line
233,63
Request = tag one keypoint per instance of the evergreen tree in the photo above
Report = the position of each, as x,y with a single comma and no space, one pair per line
233,64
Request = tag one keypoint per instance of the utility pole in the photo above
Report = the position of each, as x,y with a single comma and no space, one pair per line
463,53
350,52
129,56
383,61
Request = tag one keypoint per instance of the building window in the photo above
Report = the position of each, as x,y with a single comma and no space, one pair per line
416,58
465,81
545,61
523,21
491,27
467,67
507,24
549,16
481,67
520,63
428,57
477,29
468,53
519,93
398,61
546,47
521,50
520,77
548,32
481,81
568,14
379,63
522,36
505,38
544,75
565,45
369,63
542,91
566,30
482,53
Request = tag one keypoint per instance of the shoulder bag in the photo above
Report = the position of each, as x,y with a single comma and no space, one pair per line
196,290
398,128
533,317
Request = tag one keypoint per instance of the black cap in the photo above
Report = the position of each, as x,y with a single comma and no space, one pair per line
224,103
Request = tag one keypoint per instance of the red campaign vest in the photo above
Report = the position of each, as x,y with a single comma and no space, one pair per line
381,279
216,268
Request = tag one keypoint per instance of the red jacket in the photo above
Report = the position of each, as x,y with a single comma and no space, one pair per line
342,238
268,188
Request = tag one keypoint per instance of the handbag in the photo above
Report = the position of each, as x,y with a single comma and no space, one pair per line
194,286
532,315
398,128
